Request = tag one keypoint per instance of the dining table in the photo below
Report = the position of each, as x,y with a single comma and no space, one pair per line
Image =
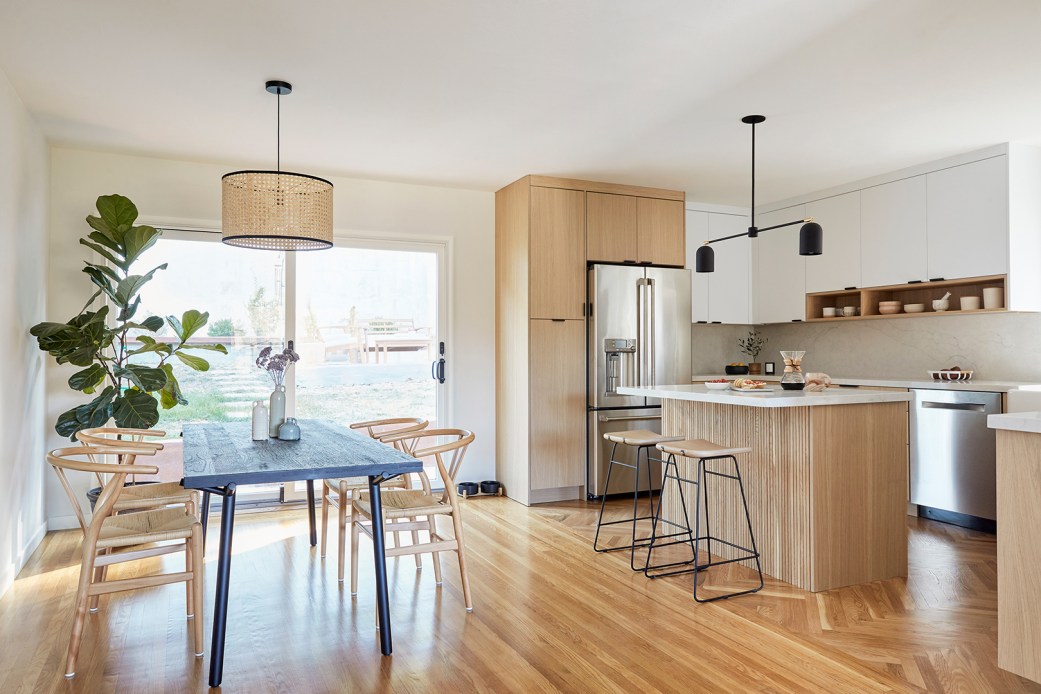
219,457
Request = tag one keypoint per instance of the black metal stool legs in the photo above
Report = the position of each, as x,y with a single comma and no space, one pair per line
634,541
670,472
753,553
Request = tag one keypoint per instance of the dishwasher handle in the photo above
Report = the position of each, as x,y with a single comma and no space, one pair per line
964,406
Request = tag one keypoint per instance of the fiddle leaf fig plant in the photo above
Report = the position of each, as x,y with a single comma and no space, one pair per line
109,344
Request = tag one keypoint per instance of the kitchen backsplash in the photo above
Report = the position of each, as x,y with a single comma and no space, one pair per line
996,346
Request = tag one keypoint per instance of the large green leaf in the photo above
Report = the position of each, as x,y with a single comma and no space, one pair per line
117,211
129,287
128,312
100,279
46,329
137,241
197,363
152,323
104,239
93,414
88,378
171,396
148,344
135,410
146,378
104,253
189,324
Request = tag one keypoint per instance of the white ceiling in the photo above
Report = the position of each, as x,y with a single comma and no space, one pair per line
476,93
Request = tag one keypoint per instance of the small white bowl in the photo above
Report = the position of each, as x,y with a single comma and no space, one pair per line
914,308
717,386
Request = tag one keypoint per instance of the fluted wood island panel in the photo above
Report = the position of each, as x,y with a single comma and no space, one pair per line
826,484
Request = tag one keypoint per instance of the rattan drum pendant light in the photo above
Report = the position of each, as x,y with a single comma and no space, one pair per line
277,210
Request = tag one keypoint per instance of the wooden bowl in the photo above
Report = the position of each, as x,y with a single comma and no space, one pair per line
891,308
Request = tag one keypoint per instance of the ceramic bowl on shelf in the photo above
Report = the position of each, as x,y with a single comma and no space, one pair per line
914,308
888,308
734,370
949,375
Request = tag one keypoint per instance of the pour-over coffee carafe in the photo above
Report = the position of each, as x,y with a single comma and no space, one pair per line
793,378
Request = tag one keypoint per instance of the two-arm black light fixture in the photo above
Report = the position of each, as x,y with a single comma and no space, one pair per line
810,236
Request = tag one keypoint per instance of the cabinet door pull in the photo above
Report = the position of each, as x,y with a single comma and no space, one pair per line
796,320
630,262
849,288
717,322
557,320
937,279
701,322
915,282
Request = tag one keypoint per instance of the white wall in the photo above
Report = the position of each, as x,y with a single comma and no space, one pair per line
174,191
23,283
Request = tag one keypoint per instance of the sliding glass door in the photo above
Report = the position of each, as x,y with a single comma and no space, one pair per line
367,319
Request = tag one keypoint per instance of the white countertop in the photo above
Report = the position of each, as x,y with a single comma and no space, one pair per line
985,386
772,398
1029,422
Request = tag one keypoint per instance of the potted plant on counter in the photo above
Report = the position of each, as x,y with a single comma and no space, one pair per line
752,346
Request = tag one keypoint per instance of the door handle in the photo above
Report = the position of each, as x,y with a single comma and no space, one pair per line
634,418
964,406
437,367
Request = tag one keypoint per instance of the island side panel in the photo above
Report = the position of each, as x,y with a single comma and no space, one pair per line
776,476
1019,553
858,506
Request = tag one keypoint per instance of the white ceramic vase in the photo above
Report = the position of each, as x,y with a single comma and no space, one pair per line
276,410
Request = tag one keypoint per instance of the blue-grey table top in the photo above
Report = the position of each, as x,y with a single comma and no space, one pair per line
220,453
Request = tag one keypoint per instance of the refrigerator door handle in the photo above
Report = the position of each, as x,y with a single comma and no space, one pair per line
642,321
652,332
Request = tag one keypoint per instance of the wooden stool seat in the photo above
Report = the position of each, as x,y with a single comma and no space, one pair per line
639,437
700,448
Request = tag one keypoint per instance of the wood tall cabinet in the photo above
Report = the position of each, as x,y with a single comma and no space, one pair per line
546,229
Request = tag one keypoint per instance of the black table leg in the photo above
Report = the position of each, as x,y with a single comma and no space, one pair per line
220,602
205,517
310,512
380,557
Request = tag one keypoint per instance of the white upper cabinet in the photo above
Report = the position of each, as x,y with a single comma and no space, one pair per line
893,247
780,278
697,233
730,295
723,296
968,220
838,267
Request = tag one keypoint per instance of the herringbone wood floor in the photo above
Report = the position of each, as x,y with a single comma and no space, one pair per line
550,615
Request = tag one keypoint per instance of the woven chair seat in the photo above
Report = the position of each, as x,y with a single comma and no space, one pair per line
403,503
148,526
153,495
363,483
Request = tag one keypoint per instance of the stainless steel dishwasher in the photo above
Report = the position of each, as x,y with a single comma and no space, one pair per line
953,455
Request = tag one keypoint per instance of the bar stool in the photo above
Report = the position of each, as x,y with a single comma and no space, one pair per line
643,441
705,452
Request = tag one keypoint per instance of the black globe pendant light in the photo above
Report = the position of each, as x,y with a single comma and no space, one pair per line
811,235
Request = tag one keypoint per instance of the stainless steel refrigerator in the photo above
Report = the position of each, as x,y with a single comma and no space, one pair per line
638,334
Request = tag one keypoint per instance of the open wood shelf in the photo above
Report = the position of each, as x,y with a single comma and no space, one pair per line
866,299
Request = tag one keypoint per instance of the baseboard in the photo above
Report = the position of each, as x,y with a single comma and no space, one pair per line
545,496
62,523
11,573
912,509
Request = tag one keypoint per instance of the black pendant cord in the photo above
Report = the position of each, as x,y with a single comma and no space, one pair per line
753,175
278,132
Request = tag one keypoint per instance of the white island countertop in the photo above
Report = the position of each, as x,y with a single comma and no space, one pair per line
1030,422
767,398
923,383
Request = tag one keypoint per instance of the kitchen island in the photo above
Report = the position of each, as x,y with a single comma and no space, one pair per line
826,480
1019,554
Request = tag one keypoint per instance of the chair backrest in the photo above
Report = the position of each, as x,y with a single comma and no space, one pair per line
446,447
106,437
385,429
83,459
